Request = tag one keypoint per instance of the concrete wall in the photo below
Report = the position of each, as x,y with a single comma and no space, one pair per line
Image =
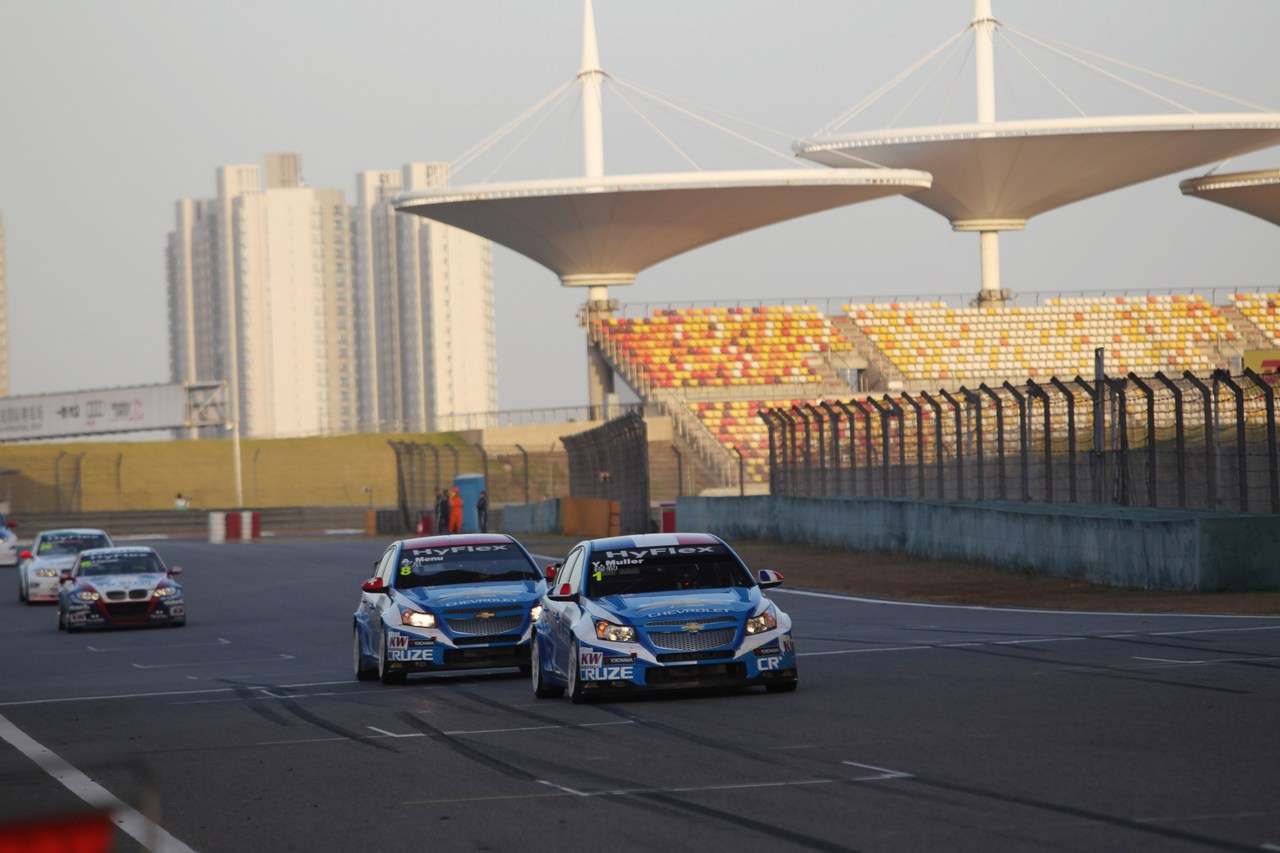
1115,546
542,517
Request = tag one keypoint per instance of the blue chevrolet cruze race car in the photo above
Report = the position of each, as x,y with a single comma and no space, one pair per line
447,602
659,611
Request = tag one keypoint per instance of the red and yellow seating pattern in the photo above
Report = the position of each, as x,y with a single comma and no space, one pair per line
1263,310
930,341
714,347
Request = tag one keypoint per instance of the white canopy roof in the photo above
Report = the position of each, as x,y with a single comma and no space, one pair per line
604,230
1253,192
995,176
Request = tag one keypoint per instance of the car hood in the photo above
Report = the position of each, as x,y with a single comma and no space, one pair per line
438,598
113,583
738,603
53,561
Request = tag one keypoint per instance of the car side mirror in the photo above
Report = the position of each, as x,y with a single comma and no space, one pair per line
12,525
551,571
769,579
373,585
564,593
64,575
175,570
25,555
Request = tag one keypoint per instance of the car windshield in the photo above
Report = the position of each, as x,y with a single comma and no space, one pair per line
460,564
121,564
70,543
664,569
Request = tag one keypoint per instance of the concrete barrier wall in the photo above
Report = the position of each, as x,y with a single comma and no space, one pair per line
542,517
1115,546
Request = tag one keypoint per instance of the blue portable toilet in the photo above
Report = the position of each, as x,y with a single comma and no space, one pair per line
469,487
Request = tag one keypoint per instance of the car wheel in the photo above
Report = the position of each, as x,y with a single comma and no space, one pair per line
62,620
22,589
541,688
385,674
363,673
782,686
575,683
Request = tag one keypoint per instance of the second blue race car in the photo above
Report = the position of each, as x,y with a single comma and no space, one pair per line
447,602
673,610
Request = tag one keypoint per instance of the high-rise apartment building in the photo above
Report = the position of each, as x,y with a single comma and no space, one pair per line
4,319
260,291
425,305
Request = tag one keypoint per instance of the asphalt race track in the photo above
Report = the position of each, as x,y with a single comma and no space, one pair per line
915,728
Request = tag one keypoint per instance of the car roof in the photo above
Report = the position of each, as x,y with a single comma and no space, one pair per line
449,541
77,531
653,540
119,549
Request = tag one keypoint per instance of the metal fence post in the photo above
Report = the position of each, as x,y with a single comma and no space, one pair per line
885,449
955,405
995,398
1069,400
1210,448
937,441
524,454
1153,481
1242,449
866,442
1180,449
767,416
834,418
975,403
1023,450
820,422
914,404
679,470
808,449
853,448
1119,387
1273,464
1036,392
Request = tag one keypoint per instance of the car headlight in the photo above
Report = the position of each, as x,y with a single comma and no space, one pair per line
766,621
615,633
417,619
535,612
88,596
165,591
46,573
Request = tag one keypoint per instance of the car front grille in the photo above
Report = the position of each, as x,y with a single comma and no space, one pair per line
129,611
493,625
692,656
695,676
692,641
485,639
133,594
498,656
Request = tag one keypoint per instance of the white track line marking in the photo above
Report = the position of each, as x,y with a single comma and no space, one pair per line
454,733
220,642
162,693
931,604
392,734
141,828
884,772
209,662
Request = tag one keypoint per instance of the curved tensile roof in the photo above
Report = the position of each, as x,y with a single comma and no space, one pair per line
995,176
605,230
1252,192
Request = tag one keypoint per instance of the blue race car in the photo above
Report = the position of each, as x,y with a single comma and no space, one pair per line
663,610
447,602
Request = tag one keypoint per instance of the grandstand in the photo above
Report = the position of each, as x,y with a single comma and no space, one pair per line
714,368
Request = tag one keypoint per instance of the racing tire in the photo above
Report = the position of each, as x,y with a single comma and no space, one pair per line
783,686
62,620
576,695
385,674
363,673
22,590
541,689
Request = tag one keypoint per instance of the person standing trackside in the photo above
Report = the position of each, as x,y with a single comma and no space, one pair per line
442,512
482,512
455,511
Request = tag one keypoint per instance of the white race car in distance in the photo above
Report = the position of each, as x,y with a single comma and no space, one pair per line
53,552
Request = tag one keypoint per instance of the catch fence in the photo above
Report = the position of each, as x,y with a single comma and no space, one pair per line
612,462
1189,442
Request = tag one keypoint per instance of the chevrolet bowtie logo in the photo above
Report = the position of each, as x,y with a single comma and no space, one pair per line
693,627
485,615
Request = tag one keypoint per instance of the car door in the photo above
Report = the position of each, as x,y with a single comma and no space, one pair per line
565,613
374,604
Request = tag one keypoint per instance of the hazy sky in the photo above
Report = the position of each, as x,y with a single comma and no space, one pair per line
112,111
